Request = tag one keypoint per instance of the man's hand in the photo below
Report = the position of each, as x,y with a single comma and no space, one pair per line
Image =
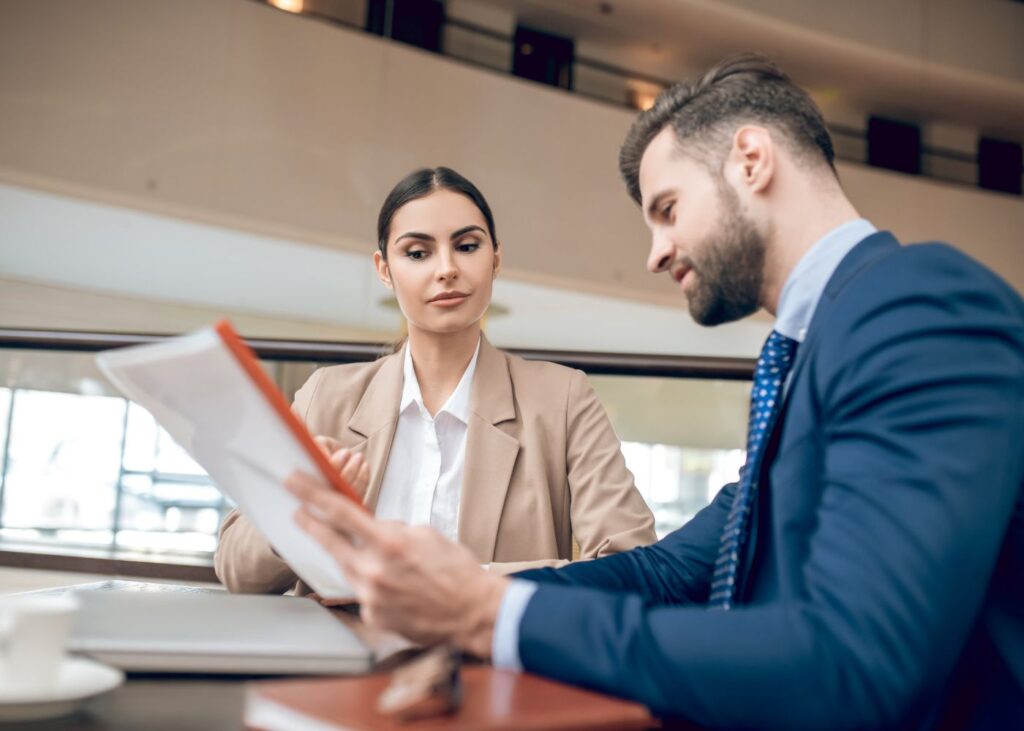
409,579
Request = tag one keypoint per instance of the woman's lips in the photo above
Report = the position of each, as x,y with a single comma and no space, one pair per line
452,299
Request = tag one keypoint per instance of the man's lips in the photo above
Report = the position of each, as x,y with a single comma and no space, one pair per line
679,273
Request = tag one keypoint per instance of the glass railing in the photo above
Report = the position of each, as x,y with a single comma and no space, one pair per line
82,468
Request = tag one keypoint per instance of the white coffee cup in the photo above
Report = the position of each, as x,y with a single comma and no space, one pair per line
33,633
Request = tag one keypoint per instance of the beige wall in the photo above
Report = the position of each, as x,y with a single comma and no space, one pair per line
229,112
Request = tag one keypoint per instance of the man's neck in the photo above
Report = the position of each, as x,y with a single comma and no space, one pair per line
440,360
795,231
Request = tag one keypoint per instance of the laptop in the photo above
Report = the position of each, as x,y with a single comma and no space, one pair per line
204,631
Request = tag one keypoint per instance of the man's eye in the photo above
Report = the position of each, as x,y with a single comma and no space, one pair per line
416,255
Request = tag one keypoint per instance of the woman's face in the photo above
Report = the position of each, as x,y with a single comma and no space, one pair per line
441,262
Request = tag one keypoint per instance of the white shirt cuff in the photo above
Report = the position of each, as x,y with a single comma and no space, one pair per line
505,645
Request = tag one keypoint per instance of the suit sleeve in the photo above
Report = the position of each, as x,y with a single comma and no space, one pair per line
921,468
608,513
675,570
244,560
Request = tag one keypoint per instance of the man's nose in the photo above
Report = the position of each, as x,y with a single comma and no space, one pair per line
660,257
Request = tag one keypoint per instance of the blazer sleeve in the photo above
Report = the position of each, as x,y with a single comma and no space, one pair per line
607,512
244,560
921,469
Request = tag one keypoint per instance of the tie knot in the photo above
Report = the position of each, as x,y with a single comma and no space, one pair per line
777,351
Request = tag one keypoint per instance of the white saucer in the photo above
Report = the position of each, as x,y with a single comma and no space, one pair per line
77,680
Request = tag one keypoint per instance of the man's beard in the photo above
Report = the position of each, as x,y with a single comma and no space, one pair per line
728,267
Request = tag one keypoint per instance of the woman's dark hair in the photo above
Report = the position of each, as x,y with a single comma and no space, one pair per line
423,182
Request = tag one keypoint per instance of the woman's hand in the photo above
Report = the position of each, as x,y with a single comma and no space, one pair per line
350,465
409,579
355,471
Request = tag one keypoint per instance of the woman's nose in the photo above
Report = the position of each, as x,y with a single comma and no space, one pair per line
446,268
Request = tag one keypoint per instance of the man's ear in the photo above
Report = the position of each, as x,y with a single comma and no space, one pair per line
753,157
383,270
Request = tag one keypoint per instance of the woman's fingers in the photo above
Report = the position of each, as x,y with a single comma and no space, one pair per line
350,465
328,445
330,507
351,470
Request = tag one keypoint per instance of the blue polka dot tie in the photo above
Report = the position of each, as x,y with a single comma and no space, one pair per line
769,376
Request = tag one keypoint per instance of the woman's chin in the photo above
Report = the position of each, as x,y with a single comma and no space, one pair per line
448,324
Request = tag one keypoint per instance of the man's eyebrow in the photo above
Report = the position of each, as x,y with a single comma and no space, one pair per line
415,235
652,207
465,230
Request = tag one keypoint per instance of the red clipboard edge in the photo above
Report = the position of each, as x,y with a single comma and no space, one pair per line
247,359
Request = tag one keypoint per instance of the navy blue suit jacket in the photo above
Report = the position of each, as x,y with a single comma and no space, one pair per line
884,583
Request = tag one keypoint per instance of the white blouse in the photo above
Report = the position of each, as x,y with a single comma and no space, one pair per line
422,482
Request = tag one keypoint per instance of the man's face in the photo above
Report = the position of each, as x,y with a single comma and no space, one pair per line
700,235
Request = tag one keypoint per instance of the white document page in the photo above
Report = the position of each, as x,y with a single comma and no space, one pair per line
198,391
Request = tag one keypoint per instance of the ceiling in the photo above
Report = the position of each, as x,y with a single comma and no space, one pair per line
924,60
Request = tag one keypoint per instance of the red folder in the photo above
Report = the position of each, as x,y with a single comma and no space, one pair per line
247,359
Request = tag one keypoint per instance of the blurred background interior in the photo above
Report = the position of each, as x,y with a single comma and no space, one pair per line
167,162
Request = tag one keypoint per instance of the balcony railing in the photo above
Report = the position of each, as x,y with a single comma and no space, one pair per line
480,46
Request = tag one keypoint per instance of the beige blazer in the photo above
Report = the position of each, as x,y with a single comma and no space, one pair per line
543,466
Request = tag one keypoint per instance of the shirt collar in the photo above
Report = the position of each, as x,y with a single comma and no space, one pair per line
457,404
809,277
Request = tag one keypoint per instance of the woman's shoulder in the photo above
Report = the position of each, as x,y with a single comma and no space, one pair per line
543,378
339,384
348,376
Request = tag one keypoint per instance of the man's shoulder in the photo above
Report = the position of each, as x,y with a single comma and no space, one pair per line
916,275
911,293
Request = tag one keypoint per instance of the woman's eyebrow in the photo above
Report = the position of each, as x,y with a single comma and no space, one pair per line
415,235
465,230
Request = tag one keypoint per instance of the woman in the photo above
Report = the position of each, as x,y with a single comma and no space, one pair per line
513,458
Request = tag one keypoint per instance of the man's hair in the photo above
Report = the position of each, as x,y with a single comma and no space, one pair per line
704,116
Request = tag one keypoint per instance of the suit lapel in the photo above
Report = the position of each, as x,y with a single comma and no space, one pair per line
490,453
863,254
376,418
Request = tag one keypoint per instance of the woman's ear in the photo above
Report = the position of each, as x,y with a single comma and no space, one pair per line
383,270
497,260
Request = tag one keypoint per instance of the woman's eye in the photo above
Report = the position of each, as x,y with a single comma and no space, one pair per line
468,247
667,210
416,255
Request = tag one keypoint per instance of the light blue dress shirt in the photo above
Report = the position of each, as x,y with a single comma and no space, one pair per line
797,303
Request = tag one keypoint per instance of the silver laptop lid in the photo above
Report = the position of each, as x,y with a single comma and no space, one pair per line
211,625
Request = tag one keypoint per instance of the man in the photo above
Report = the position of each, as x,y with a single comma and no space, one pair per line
867,569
